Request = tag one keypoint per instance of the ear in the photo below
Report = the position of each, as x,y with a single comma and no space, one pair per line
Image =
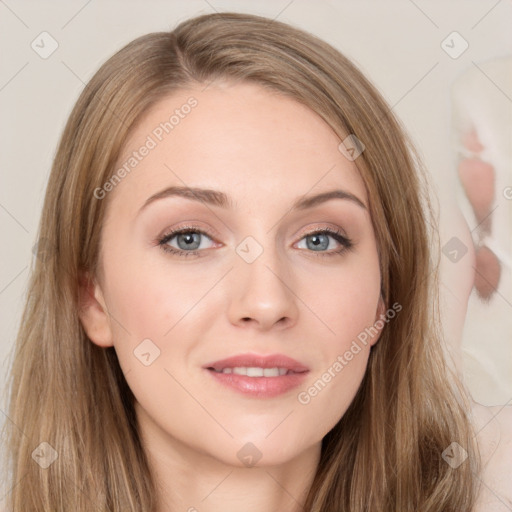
93,312
380,320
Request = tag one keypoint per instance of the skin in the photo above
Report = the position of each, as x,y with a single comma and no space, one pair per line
265,151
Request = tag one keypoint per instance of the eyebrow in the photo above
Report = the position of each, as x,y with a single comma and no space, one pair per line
217,198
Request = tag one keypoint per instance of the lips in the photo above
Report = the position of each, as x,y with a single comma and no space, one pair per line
243,374
258,361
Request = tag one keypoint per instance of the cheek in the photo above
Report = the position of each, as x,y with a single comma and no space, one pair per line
140,304
160,313
346,300
331,390
344,348
344,297
348,303
147,295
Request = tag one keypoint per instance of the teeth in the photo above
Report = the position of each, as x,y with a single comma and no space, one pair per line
255,372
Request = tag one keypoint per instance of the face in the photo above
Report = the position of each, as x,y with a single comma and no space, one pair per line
251,274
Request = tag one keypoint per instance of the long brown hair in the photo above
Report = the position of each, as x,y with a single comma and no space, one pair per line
385,454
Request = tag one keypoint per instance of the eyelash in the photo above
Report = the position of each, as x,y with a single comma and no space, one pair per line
345,242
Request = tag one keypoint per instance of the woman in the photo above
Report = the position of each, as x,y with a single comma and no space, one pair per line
149,376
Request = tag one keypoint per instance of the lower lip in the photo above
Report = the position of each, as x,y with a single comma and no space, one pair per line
260,387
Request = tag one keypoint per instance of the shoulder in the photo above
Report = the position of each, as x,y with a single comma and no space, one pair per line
493,427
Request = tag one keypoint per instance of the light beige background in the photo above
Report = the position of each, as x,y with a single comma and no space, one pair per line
396,43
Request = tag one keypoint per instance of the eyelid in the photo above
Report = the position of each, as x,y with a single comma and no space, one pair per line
188,227
321,226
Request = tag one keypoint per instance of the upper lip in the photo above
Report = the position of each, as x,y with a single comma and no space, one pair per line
258,361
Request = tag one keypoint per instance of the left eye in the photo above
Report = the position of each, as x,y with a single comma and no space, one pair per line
320,240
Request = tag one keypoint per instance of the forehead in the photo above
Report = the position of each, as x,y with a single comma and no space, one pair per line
257,145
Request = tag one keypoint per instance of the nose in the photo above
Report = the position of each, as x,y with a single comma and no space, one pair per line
261,293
